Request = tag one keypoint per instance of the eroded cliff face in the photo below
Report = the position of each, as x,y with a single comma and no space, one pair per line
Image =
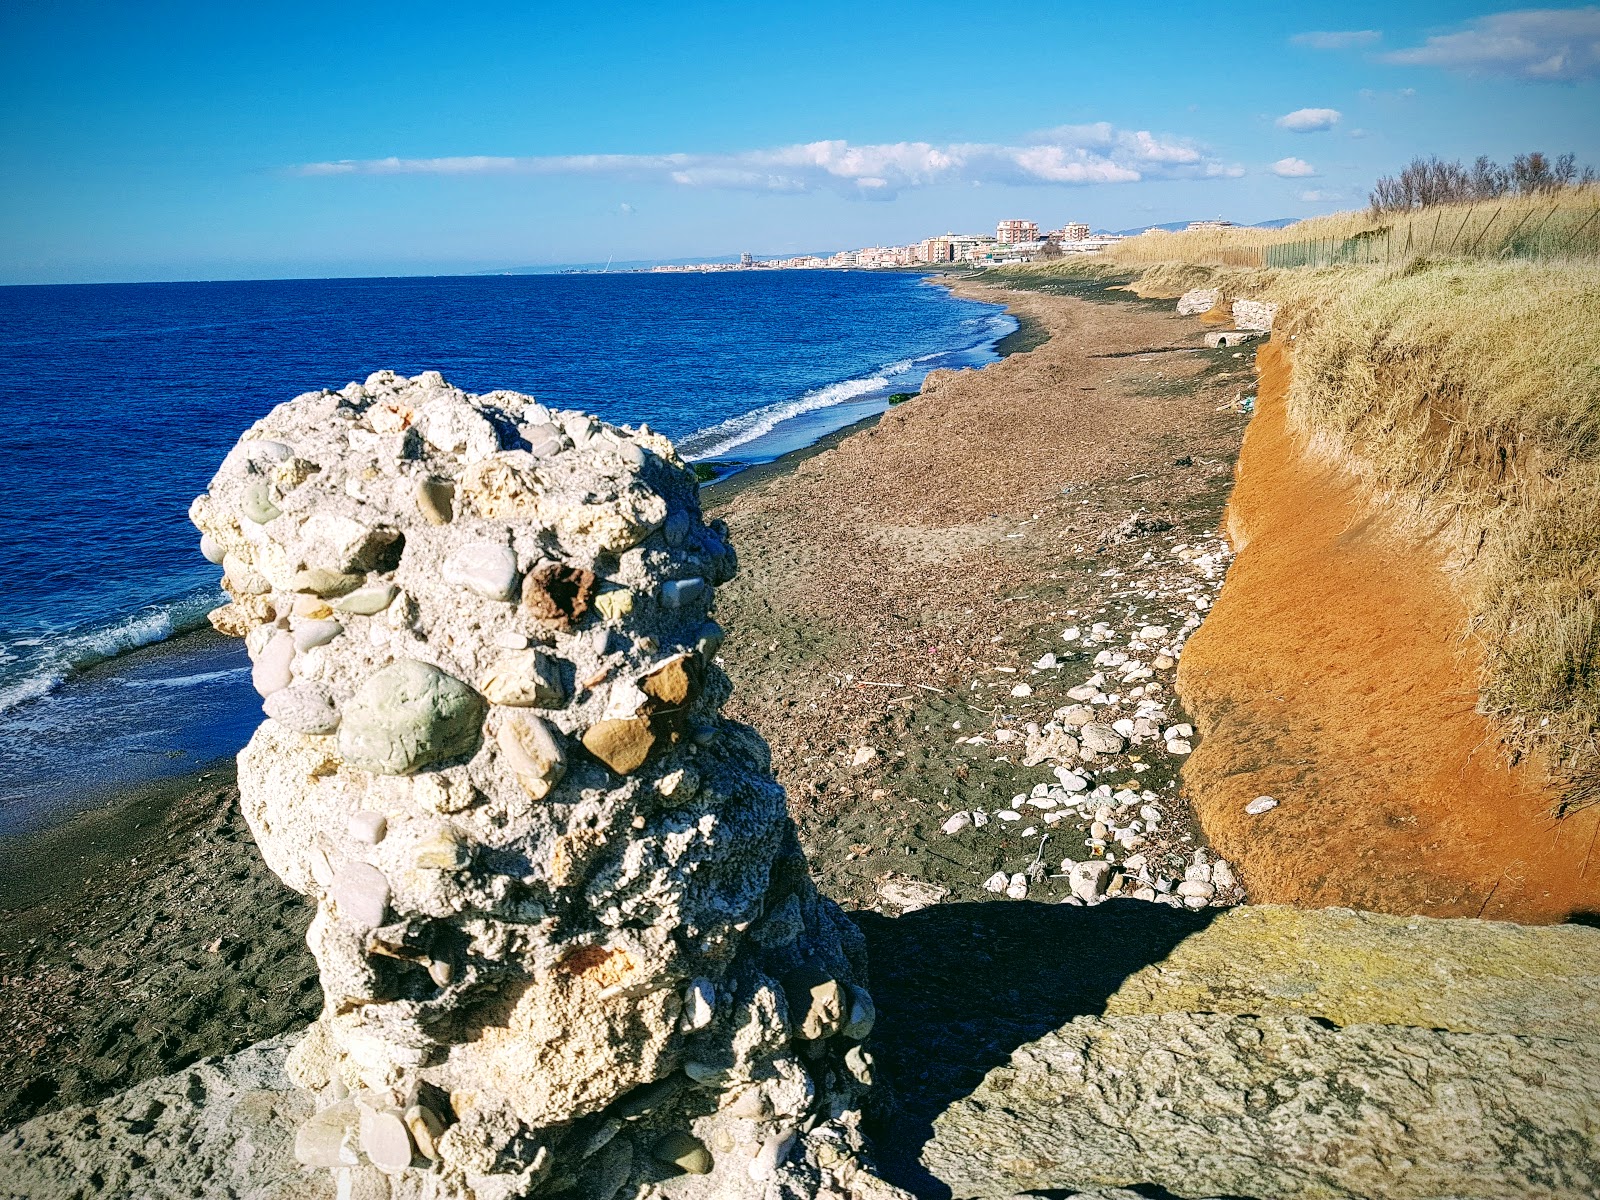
1334,675
565,932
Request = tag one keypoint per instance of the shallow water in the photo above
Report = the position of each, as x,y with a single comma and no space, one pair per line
122,399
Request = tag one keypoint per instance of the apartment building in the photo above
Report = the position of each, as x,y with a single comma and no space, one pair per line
1010,232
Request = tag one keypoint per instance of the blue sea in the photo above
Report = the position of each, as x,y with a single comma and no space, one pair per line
120,401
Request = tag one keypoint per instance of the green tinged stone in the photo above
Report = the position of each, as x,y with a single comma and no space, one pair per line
257,503
409,716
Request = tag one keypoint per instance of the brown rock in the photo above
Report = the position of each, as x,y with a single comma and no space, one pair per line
622,745
558,594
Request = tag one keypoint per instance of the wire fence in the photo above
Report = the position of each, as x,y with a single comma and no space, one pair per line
1506,230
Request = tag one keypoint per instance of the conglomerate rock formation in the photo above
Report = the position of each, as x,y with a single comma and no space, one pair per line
567,940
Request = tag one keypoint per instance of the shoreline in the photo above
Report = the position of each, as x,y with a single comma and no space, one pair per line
41,804
157,910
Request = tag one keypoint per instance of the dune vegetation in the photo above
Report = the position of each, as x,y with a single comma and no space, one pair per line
1466,387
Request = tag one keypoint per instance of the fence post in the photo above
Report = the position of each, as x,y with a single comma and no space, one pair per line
1459,232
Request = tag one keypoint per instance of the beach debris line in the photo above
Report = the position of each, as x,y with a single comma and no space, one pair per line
564,926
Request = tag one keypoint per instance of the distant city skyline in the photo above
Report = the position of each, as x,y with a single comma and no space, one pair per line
189,141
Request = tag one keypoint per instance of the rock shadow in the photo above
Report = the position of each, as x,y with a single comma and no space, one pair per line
959,987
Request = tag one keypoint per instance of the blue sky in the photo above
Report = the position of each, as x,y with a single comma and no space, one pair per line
184,141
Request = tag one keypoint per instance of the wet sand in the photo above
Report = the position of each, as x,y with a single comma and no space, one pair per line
887,575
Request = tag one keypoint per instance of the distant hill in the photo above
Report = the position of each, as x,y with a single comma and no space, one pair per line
1178,226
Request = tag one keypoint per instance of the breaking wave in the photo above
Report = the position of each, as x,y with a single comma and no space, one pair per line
718,440
36,666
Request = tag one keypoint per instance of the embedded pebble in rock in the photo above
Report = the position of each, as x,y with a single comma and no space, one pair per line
272,670
1260,805
565,930
485,568
364,602
368,827
436,500
308,635
304,708
408,716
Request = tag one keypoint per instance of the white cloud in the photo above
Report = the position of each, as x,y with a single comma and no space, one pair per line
1293,168
1071,154
1346,39
1323,196
1535,43
1309,120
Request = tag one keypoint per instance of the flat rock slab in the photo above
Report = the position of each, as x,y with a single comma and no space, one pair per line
1278,1106
1354,968
224,1129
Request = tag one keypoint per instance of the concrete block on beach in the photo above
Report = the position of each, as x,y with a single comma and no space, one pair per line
564,928
1198,300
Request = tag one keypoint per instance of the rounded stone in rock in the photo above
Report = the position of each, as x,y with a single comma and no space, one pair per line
680,593
863,1015
1260,805
684,1151
385,1139
485,568
212,549
408,716
257,505
368,826
321,581
367,601
436,500
426,1130
310,634
360,894
304,708
273,669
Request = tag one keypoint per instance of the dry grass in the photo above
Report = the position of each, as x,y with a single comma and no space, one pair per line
1472,390
1555,225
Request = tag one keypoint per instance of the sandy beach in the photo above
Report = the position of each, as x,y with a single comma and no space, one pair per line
896,583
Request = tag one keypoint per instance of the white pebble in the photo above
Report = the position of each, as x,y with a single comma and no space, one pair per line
1260,805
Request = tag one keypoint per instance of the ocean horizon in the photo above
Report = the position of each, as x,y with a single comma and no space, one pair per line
125,397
